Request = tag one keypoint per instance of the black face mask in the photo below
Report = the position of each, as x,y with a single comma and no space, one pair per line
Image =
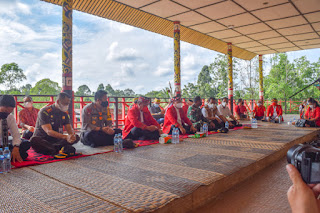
104,103
4,115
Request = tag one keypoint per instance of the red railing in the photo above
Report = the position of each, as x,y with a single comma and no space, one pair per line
119,106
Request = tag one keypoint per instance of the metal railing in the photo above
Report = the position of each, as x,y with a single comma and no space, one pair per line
120,105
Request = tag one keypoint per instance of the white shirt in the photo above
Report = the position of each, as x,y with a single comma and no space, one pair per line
178,117
141,117
13,129
225,111
275,114
204,112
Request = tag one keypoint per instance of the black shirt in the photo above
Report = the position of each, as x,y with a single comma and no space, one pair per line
54,116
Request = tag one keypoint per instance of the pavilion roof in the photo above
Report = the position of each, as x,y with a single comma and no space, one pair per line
253,26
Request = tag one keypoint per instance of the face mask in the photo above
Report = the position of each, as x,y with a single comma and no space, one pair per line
28,104
259,104
179,105
224,104
4,115
104,103
64,108
311,106
156,105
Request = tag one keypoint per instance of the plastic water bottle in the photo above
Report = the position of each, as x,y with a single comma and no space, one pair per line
120,142
280,119
201,129
205,128
7,160
254,123
1,161
174,137
177,135
116,143
227,125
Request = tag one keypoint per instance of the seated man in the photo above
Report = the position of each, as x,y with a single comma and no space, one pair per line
274,111
175,117
157,111
48,137
211,112
28,117
139,124
186,106
97,123
241,110
8,123
312,115
259,111
196,117
226,113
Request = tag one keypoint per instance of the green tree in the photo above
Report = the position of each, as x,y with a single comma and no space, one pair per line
83,90
100,87
45,87
110,90
11,74
26,89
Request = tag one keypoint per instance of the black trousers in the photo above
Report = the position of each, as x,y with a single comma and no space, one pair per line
199,125
311,123
258,117
217,124
27,134
186,127
139,134
98,138
23,148
45,147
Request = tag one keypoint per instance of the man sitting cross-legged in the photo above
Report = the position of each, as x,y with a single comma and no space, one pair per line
175,117
97,123
139,124
48,137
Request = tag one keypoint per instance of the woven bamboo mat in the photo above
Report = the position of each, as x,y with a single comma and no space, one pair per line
143,179
24,190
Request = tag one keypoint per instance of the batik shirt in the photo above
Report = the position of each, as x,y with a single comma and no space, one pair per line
195,115
28,117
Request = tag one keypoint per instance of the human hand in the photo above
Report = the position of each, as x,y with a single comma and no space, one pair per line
152,128
31,128
183,131
192,129
16,155
302,198
71,138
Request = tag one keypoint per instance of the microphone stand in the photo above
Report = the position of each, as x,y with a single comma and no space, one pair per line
318,80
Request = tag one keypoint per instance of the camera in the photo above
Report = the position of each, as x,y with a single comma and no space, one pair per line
306,158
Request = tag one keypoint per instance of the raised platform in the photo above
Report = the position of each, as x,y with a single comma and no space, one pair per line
162,178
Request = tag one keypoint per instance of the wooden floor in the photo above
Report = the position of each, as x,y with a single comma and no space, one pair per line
162,178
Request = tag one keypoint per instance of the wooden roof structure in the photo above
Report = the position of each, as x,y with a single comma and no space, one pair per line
253,26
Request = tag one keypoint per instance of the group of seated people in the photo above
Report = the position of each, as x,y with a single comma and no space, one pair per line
44,129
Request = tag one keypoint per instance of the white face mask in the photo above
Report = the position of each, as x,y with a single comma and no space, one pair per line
224,104
64,108
27,104
259,104
156,105
311,106
179,105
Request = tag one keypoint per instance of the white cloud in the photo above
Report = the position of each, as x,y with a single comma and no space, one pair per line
12,8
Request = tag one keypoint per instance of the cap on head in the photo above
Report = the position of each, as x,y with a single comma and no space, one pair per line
7,101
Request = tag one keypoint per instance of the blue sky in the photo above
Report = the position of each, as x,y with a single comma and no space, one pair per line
104,51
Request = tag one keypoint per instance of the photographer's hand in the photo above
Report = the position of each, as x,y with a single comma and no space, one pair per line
301,198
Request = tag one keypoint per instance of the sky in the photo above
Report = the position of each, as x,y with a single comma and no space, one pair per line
104,51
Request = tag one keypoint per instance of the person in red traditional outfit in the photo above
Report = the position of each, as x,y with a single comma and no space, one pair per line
139,124
28,118
175,117
274,111
259,111
312,115
241,111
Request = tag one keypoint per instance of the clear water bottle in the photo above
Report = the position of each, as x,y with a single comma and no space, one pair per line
116,143
205,128
174,132
254,123
7,160
280,119
177,135
227,125
120,142
201,129
1,161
